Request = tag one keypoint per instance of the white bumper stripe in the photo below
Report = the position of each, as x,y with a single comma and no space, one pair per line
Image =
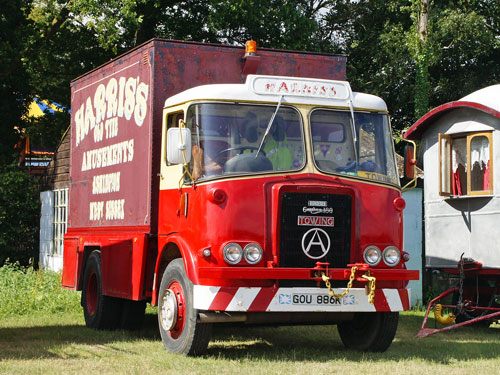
243,299
292,300
393,299
204,295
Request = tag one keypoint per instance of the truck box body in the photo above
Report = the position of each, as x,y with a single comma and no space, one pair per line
116,121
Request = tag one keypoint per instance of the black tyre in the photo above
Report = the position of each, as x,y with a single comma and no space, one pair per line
101,312
371,332
177,319
132,314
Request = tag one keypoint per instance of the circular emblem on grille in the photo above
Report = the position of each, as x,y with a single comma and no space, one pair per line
315,243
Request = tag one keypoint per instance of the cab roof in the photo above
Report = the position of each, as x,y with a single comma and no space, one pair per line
269,89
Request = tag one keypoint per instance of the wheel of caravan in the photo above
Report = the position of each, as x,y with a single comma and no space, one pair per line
177,319
483,295
132,315
101,312
372,332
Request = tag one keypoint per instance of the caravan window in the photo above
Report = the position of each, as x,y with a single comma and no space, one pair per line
466,164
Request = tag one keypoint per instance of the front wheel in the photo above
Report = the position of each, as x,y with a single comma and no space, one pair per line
371,332
177,319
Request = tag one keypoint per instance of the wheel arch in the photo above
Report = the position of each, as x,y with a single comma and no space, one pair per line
171,249
87,250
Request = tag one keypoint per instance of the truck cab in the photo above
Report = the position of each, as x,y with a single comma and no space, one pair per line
279,203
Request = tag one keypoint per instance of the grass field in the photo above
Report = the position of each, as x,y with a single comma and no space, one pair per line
51,338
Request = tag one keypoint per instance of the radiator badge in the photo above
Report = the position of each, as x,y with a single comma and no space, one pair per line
317,207
315,243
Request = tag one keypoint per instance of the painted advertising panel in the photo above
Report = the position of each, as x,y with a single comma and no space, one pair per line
110,145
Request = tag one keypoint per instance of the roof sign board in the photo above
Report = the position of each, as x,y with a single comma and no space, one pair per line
300,87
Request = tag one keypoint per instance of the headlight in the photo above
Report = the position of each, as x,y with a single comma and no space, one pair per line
232,253
391,256
372,255
252,253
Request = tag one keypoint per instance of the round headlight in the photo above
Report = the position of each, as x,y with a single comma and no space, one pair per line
372,255
391,255
252,253
232,253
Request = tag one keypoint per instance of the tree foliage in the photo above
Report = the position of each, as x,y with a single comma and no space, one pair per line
19,216
44,44
385,58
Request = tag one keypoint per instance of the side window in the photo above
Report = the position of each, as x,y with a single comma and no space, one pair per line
366,143
174,118
465,165
445,171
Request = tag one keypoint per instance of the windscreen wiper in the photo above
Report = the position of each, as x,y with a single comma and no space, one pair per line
353,125
269,126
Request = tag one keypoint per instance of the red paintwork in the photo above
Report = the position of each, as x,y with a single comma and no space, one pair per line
416,130
176,288
250,214
70,262
167,68
240,210
124,256
234,273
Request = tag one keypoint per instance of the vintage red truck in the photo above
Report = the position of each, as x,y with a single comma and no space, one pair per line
233,185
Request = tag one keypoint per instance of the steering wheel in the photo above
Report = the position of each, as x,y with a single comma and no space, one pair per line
238,148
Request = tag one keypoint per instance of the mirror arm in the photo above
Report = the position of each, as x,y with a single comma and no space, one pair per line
412,184
182,125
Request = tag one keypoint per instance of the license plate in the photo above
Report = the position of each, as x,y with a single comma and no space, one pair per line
315,300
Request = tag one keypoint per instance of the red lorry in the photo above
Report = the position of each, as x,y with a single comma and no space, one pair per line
233,185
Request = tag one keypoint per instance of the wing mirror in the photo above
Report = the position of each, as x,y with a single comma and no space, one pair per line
179,145
410,161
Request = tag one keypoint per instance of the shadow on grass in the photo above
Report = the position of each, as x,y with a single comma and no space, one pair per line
301,344
322,344
40,341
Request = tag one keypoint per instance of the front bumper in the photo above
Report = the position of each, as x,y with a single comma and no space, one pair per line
271,273
273,299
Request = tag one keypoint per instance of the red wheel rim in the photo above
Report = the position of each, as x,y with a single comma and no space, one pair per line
91,293
176,287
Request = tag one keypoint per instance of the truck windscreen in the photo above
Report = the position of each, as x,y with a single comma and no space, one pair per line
226,138
336,152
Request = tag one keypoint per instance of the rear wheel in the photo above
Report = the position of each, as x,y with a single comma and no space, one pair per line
101,312
372,332
177,319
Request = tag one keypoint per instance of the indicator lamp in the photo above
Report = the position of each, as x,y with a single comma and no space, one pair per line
250,48
399,203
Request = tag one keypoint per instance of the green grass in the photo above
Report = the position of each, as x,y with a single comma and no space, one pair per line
25,291
41,341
